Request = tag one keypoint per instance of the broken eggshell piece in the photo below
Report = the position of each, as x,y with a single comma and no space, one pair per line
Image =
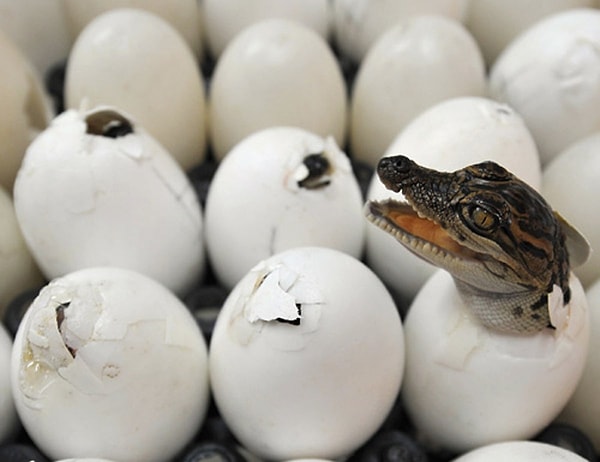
109,355
95,189
280,188
307,355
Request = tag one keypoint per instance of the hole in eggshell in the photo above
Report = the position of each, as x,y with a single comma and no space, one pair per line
318,168
109,124
60,317
293,322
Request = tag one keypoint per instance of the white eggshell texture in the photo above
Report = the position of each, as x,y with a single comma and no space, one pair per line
550,74
276,72
318,389
113,360
25,110
414,65
450,135
183,15
571,184
583,410
224,19
466,386
256,206
137,62
88,200
496,23
18,270
520,451
8,422
359,23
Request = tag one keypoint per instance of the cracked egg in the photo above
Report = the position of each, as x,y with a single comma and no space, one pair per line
95,189
307,355
110,358
280,188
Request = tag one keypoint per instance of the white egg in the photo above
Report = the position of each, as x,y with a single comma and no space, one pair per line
18,270
25,109
39,28
96,190
412,66
466,386
85,459
276,72
583,410
449,136
137,62
281,188
570,183
520,451
307,356
550,74
115,361
181,14
224,19
8,421
359,23
496,23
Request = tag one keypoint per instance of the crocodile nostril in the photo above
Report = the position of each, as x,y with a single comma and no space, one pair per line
393,166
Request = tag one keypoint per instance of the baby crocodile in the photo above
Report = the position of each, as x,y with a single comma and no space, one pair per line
499,239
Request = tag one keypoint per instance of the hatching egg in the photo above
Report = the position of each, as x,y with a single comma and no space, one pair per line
583,410
520,451
224,19
25,109
8,422
448,136
307,355
137,62
183,15
550,74
412,66
18,270
115,361
570,184
466,385
280,188
96,190
273,73
359,23
495,24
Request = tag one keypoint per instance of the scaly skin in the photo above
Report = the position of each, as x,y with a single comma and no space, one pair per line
500,240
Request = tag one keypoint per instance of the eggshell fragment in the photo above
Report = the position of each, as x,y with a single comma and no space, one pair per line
112,359
276,72
281,188
182,15
307,356
359,23
496,23
448,136
550,74
85,198
466,386
137,62
18,270
9,422
583,410
570,183
412,66
520,451
224,19
25,109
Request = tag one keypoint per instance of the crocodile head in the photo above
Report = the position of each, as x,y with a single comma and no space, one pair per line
499,239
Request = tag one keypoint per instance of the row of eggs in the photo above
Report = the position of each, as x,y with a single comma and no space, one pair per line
88,191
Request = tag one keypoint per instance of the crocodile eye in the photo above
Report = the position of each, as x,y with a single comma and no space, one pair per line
481,219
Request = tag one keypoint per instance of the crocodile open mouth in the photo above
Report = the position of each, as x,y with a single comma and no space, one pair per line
421,235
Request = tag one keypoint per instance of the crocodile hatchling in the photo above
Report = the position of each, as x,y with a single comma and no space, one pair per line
499,239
